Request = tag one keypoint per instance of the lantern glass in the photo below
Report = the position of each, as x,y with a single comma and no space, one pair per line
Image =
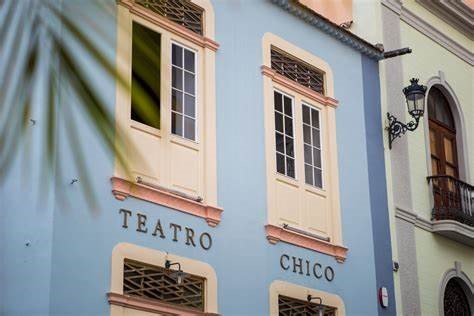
415,97
178,276
416,102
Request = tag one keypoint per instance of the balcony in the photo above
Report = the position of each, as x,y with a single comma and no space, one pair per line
453,211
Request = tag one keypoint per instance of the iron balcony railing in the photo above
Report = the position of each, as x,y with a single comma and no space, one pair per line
453,199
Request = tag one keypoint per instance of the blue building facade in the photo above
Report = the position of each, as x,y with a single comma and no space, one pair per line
58,251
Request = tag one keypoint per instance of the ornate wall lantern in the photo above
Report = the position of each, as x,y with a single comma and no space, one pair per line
319,306
415,97
177,275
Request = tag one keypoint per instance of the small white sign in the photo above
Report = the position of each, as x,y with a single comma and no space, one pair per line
383,297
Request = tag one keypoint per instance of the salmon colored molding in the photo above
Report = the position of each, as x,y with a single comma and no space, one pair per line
122,189
153,306
272,74
168,25
276,234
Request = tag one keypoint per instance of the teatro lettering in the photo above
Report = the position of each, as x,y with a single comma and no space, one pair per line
300,266
178,232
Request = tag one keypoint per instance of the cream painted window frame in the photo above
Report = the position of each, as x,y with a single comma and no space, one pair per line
125,184
326,104
119,302
299,292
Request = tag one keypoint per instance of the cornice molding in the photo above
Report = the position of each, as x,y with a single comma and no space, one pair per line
330,28
448,228
152,306
276,234
123,188
414,219
455,13
429,31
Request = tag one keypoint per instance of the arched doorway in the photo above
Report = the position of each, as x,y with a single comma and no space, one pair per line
456,302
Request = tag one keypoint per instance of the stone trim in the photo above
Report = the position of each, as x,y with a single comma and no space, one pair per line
435,226
429,31
276,234
122,189
152,306
455,13
414,219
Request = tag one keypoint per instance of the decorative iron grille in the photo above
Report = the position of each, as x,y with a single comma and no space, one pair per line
453,199
158,283
288,306
183,12
455,300
298,71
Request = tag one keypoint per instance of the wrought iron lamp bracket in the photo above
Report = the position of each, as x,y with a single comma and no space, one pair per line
169,264
397,129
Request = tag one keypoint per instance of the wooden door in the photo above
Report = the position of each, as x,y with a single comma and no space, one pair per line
444,159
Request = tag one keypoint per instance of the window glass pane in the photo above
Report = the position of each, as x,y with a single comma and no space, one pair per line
177,78
434,166
189,128
146,70
289,147
450,171
290,167
189,83
280,161
318,178
177,101
278,102
279,122
448,150
288,109
284,142
177,124
279,143
288,126
314,118
307,134
438,107
308,174
307,154
189,106
177,58
189,60
433,143
312,146
316,141
306,118
316,157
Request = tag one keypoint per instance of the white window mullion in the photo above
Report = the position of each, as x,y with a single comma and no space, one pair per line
183,88
284,134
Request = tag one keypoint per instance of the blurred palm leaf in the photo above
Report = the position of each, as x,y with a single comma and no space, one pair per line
37,60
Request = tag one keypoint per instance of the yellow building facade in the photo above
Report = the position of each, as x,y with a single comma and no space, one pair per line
430,170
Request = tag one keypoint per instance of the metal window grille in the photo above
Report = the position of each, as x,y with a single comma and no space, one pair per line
158,283
455,301
298,71
183,12
288,306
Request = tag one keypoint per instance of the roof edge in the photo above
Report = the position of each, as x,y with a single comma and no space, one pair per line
334,30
